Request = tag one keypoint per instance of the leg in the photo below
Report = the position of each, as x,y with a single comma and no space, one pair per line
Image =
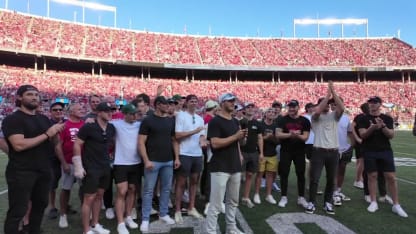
231,200
359,167
166,173
96,206
180,187
259,175
120,203
284,170
150,178
193,183
247,184
131,197
372,177
299,161
64,200
331,165
316,163
341,174
392,185
86,210
218,187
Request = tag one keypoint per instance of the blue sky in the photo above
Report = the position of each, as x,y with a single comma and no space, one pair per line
272,18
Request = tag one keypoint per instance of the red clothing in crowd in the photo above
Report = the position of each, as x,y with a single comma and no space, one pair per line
68,136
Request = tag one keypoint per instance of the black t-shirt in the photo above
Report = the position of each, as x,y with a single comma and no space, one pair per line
286,123
377,141
97,144
269,146
159,132
35,158
226,159
254,128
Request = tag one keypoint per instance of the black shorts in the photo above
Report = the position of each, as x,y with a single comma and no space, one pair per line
308,150
251,162
95,179
56,172
379,161
358,151
190,165
346,156
129,173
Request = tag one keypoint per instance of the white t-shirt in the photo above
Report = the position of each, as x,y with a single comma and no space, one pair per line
126,152
311,137
326,131
185,122
344,127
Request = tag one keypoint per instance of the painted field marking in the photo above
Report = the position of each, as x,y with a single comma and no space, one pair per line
4,191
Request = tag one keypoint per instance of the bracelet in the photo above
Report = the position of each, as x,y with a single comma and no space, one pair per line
47,135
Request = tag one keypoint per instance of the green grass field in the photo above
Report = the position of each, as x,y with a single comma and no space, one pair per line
352,214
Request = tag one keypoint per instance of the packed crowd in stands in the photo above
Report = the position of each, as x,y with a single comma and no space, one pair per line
31,34
77,87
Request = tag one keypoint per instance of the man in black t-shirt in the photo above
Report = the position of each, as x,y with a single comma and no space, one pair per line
252,151
224,133
28,137
376,130
159,150
95,139
292,131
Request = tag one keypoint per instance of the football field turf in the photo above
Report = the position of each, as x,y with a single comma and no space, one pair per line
352,214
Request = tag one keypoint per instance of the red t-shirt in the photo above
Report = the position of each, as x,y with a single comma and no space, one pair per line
117,115
207,118
68,136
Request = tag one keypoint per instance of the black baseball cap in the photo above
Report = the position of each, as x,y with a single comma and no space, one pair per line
57,104
293,103
374,99
24,88
160,99
104,106
276,104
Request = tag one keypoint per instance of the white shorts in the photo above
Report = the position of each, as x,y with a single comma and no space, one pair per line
68,180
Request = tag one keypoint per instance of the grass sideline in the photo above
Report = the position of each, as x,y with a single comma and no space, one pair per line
352,214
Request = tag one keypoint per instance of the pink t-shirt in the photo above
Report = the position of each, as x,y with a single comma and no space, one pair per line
68,136
117,115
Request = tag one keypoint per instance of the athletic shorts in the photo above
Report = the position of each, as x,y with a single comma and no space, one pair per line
127,173
269,164
346,156
379,161
358,151
96,179
69,179
251,162
190,165
308,151
55,172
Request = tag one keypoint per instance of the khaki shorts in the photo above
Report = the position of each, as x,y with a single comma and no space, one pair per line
269,164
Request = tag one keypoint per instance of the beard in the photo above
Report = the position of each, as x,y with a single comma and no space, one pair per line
30,105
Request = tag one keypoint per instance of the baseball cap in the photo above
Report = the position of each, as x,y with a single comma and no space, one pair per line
375,99
226,97
293,103
177,97
276,104
104,106
211,104
129,109
247,104
172,100
238,107
24,88
160,99
57,104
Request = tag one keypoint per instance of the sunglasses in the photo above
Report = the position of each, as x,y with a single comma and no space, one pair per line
193,119
56,110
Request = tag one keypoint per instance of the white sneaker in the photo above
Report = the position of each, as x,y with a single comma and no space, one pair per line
194,213
275,187
399,210
185,196
302,202
109,213
99,229
247,202
223,208
373,207
134,213
367,198
387,199
235,231
130,223
90,232
358,184
167,219
144,227
256,199
153,211
283,201
263,183
337,199
122,229
206,208
270,199
178,217
63,221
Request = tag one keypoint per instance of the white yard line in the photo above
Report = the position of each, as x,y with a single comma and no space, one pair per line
4,191
406,181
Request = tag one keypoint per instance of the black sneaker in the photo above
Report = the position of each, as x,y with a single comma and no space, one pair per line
310,209
329,209
53,213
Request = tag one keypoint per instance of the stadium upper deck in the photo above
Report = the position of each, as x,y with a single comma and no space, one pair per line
36,35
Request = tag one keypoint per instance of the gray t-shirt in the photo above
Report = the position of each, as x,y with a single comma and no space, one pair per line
326,131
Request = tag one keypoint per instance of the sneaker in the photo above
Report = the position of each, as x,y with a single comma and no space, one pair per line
134,213
256,198
206,208
63,221
109,213
234,231
247,202
167,219
194,213
223,208
270,199
386,198
372,207
99,229
185,196
90,232
130,223
122,229
310,209
359,184
53,213
178,217
319,192
144,227
283,201
302,202
275,187
263,183
170,205
153,211
344,197
329,209
337,200
399,210
367,198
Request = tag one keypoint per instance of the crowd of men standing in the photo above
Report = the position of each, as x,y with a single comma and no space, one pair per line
170,146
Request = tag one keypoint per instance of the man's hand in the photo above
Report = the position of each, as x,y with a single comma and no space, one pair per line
177,164
148,165
242,133
79,171
66,168
55,129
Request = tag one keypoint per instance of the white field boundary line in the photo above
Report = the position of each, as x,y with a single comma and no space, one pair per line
4,191
396,152
406,181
